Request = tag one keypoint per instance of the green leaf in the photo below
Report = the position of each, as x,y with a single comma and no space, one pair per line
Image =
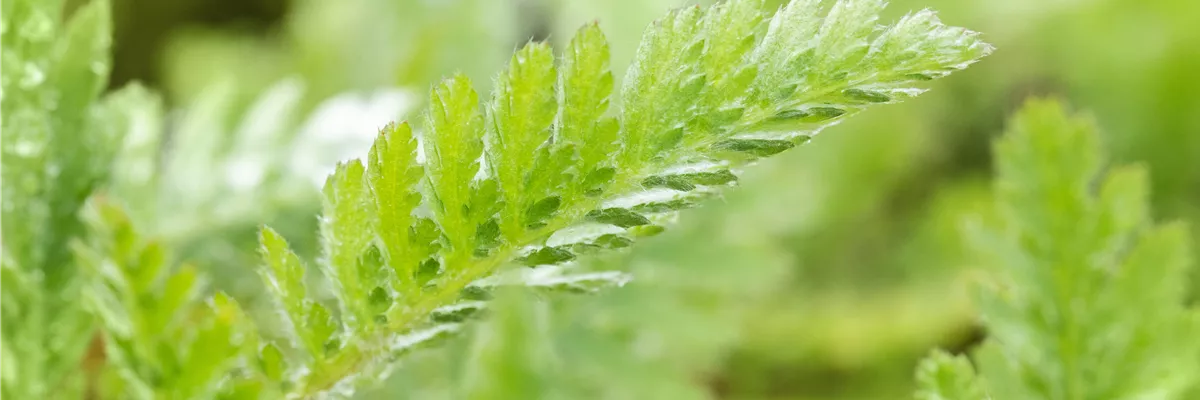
712,90
456,312
319,330
946,377
541,210
664,66
688,181
395,178
82,147
1086,284
585,84
57,145
520,118
555,169
453,144
211,353
270,361
179,291
59,140
82,69
284,278
346,230
618,216
732,29
161,338
547,256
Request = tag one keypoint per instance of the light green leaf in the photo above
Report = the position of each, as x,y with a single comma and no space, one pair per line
159,337
1087,286
346,231
395,178
452,146
712,90
653,99
520,117
585,85
942,376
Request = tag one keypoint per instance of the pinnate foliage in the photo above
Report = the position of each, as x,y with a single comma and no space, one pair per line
1090,301
943,376
414,239
90,309
160,338
55,146
548,170
58,141
664,334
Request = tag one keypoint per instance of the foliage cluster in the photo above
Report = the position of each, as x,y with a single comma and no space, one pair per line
545,184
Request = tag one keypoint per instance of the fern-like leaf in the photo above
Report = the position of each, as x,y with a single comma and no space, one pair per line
160,337
57,146
946,377
546,172
1089,302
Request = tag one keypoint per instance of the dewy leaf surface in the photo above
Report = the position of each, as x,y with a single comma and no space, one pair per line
546,169
57,145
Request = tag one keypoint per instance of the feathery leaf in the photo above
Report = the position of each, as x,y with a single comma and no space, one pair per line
1088,286
550,172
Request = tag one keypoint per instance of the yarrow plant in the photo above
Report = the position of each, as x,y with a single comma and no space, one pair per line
512,189
58,140
1090,300
547,171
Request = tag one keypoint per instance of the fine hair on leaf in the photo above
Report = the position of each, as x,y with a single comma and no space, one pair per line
557,163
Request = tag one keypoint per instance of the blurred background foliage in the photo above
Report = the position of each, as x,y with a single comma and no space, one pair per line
260,97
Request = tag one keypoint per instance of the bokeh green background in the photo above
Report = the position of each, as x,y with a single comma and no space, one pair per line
868,214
